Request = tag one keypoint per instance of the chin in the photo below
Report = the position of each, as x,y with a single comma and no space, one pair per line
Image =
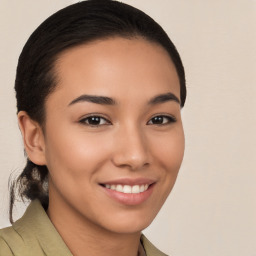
129,224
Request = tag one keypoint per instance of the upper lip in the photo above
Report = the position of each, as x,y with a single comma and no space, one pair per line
129,181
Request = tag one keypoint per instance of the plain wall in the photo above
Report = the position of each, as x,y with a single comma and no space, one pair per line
212,209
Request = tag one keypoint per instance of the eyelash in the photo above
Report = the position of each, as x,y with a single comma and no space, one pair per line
168,120
84,120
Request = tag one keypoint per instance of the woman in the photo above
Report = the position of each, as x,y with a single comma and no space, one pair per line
99,90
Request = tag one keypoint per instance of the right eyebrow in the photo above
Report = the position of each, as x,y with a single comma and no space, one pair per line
102,100
161,98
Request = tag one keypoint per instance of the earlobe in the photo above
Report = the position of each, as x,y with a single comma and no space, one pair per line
33,138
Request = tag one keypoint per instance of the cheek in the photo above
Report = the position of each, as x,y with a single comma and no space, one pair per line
170,151
73,160
75,153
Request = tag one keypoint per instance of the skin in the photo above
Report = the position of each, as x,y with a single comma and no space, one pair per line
126,144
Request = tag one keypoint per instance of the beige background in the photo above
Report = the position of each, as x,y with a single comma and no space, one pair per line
212,210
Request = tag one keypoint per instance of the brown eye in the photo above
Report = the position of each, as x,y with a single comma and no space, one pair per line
94,121
161,120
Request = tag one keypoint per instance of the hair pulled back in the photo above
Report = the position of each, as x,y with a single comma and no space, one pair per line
74,25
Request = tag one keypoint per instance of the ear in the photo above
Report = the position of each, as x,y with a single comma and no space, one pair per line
33,138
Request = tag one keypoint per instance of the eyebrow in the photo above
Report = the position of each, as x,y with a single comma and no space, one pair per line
161,98
103,100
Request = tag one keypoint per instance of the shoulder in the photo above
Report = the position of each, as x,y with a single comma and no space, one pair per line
10,241
150,249
20,239
4,248
32,234
14,240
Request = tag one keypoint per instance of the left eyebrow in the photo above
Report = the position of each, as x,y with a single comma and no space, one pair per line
161,98
102,100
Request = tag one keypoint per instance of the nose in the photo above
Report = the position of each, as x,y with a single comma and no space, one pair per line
131,149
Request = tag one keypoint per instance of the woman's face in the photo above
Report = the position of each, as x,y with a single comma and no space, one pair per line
113,138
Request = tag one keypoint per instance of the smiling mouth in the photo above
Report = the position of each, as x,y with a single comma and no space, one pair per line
127,189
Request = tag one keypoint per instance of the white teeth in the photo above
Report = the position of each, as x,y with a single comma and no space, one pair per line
127,189
136,189
142,188
119,188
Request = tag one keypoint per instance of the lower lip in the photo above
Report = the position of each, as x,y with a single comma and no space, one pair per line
129,198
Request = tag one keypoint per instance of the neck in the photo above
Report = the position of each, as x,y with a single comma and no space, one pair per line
81,235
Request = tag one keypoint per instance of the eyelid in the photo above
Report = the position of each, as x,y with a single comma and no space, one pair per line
171,118
82,120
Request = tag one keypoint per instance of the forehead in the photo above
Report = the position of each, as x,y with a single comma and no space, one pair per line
116,67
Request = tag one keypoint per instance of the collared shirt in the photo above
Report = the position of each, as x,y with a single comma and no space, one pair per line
35,235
